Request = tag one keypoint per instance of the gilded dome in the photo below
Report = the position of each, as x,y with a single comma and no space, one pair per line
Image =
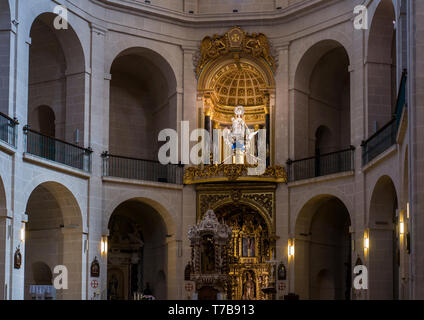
238,85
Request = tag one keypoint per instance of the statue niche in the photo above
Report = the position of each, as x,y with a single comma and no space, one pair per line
209,242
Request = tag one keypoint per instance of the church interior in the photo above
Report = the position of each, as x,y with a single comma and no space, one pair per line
310,150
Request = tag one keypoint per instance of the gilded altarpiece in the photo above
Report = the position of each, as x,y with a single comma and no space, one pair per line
249,210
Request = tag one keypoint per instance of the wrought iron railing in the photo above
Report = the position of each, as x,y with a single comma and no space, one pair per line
8,129
57,150
322,165
384,138
379,142
139,169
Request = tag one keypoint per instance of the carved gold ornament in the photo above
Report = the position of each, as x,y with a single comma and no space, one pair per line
236,41
232,172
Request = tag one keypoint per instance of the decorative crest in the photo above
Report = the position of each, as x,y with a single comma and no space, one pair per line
236,42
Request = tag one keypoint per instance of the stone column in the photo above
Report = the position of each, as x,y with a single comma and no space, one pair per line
98,130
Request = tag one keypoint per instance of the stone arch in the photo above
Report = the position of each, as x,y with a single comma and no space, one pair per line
251,204
317,194
54,237
153,201
57,75
168,62
3,201
5,62
323,242
381,66
143,101
73,37
321,85
382,255
138,240
3,237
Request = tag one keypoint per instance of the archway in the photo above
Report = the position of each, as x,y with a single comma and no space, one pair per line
137,256
323,250
250,250
384,249
53,238
3,240
381,67
56,79
5,62
321,96
143,101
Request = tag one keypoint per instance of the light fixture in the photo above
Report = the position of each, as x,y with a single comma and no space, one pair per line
402,228
407,210
366,241
103,245
290,248
23,232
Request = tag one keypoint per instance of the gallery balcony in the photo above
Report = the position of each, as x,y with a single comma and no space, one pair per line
8,132
384,138
322,165
57,150
140,169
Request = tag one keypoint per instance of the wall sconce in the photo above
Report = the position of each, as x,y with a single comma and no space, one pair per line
402,228
366,240
290,249
23,232
103,245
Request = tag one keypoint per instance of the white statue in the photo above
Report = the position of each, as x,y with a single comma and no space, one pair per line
240,138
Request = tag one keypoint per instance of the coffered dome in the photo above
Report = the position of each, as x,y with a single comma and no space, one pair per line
238,85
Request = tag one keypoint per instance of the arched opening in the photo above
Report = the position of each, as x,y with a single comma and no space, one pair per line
251,247
381,67
3,240
323,250
43,120
323,140
322,99
5,62
53,238
57,80
137,256
143,101
384,248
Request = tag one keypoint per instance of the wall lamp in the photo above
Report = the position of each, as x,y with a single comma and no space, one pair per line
103,245
402,228
366,240
290,249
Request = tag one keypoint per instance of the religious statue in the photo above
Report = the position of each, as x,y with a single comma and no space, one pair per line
240,137
208,255
249,288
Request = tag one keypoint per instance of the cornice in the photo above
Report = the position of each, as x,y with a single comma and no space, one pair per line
226,19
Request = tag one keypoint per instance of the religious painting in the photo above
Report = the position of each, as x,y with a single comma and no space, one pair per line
17,259
282,274
95,268
248,247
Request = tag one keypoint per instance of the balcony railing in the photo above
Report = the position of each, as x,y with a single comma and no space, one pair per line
322,165
8,129
139,169
57,150
379,142
384,138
